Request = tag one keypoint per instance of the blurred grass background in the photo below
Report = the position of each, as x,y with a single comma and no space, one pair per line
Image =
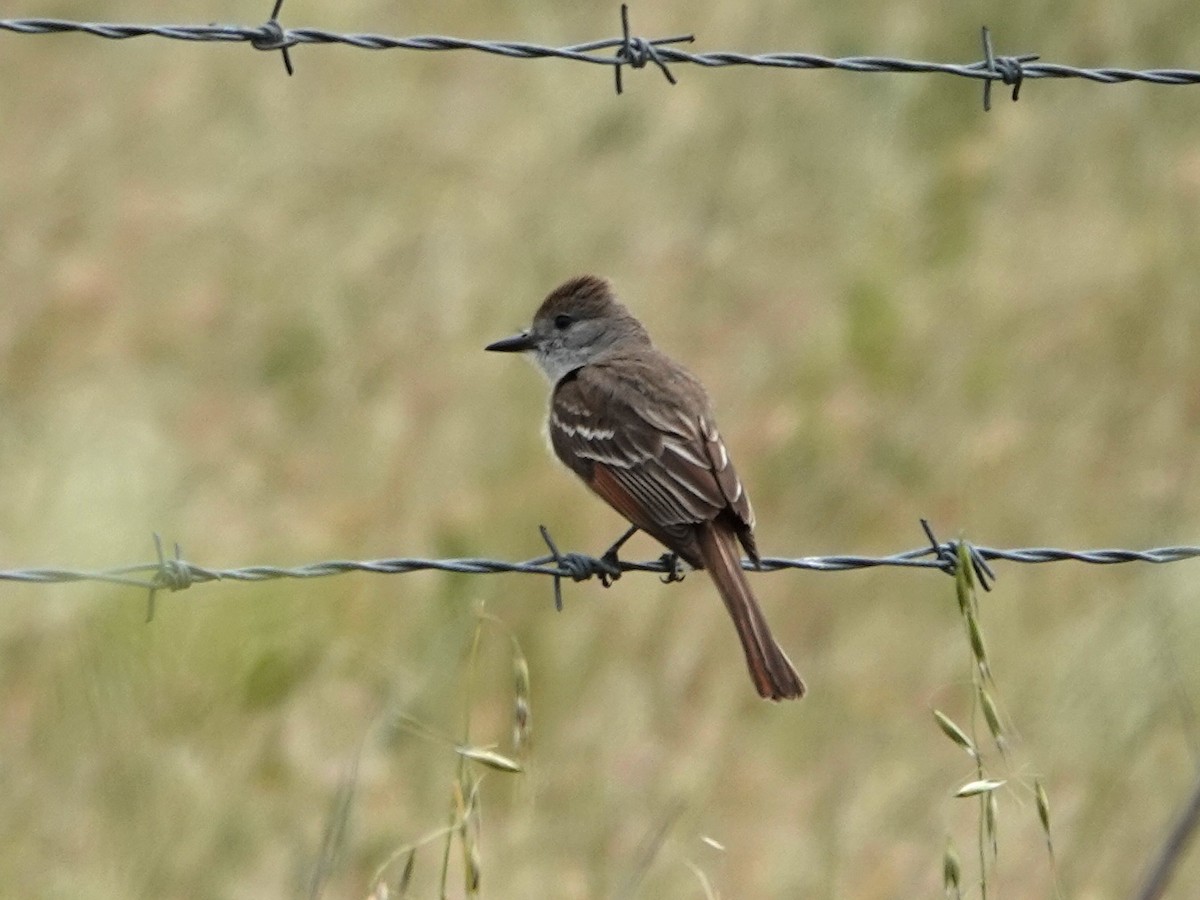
247,311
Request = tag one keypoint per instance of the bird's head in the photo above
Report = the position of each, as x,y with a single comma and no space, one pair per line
578,323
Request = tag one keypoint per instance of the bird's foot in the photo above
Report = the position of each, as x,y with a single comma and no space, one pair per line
609,562
610,567
675,570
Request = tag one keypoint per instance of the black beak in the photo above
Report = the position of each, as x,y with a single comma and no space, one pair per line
518,343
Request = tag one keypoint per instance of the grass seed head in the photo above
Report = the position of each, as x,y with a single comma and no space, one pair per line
956,734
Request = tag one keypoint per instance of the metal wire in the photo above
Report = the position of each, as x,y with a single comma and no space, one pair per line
627,49
175,573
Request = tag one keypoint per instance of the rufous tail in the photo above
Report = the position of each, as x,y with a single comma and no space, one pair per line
770,669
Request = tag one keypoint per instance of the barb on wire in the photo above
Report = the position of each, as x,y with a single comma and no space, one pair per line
176,573
172,575
625,50
947,556
273,37
638,51
578,567
1009,69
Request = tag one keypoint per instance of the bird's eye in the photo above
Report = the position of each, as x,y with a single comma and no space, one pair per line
563,321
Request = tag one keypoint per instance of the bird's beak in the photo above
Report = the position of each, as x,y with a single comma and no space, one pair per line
518,343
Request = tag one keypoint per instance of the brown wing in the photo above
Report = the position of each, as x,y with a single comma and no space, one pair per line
640,433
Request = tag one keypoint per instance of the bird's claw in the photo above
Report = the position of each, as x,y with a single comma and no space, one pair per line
610,568
609,564
674,568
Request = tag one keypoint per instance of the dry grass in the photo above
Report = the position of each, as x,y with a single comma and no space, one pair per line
248,312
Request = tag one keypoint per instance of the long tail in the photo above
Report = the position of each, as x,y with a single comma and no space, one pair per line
770,669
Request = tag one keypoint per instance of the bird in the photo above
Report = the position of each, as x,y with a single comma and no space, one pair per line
638,429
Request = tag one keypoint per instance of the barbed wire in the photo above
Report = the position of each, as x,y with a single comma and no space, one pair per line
174,573
618,52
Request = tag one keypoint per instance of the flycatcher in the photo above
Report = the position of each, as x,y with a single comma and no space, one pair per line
638,429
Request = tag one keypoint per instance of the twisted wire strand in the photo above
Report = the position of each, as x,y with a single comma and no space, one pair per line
177,573
626,50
